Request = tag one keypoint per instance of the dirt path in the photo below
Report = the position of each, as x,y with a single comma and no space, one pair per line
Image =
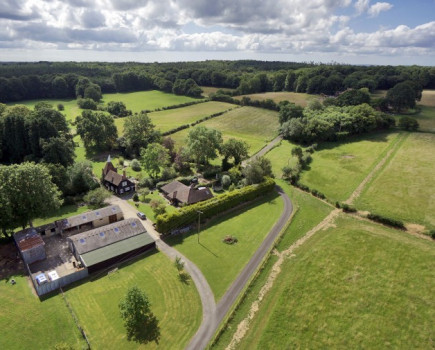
243,326
374,171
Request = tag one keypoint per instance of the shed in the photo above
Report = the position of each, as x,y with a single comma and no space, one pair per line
30,244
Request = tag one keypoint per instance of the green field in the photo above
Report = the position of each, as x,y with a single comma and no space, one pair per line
405,189
28,323
219,262
256,126
146,208
208,90
171,118
339,167
281,156
301,99
147,100
176,304
357,285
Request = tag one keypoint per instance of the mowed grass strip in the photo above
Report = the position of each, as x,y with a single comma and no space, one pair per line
176,305
256,126
28,323
219,262
147,100
298,98
357,285
405,189
339,167
172,118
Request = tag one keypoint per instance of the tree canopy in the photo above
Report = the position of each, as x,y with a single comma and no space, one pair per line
203,143
154,157
139,131
96,129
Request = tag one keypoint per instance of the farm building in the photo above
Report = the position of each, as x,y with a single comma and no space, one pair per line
115,182
110,244
30,244
89,220
179,193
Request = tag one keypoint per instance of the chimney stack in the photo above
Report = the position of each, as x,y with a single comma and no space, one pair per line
124,176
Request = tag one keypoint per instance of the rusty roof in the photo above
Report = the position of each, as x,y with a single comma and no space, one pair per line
28,239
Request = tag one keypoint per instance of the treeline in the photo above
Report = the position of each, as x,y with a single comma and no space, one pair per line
20,81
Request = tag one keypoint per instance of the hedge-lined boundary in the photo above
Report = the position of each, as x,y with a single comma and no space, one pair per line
167,222
386,221
186,126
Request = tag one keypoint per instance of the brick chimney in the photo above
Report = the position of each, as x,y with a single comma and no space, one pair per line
124,176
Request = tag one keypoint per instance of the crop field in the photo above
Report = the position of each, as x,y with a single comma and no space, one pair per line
171,118
28,323
256,126
356,285
176,304
147,100
219,262
301,99
405,189
339,167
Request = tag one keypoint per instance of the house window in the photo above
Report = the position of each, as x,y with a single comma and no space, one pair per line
124,183
121,191
127,189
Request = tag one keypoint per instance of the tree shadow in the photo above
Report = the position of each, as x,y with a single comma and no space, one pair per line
184,277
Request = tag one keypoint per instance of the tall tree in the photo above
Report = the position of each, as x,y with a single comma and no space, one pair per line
139,132
154,157
141,324
401,96
58,150
96,129
203,143
236,149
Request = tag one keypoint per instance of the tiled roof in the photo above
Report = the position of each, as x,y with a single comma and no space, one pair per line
186,194
89,216
113,178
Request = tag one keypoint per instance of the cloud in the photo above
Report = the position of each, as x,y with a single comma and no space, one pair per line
377,8
361,6
92,19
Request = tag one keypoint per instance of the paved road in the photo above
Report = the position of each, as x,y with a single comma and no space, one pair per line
264,150
212,314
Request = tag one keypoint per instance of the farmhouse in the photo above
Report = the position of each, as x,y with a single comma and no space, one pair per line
110,244
179,193
115,182
89,220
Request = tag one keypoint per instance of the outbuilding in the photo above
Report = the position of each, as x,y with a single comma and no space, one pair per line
30,244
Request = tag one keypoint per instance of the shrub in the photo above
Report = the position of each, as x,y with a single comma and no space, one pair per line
230,239
135,165
226,181
121,161
136,197
96,198
60,107
386,221
432,234
168,173
337,205
347,208
158,206
87,103
146,182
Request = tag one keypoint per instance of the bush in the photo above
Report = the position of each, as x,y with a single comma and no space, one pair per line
230,239
60,107
121,161
96,198
432,234
147,182
408,123
87,103
136,197
226,181
168,173
386,221
347,208
135,165
218,204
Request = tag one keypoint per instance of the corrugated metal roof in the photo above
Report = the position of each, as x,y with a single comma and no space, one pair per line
116,249
28,239
97,238
90,216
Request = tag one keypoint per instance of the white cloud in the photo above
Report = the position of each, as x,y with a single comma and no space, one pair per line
377,8
361,6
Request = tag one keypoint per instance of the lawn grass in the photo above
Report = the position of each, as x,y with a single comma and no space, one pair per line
219,262
256,126
147,100
339,167
281,156
405,189
300,99
28,323
357,285
176,304
63,212
171,118
146,208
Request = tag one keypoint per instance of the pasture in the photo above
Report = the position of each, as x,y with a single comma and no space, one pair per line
405,188
171,118
256,126
147,100
219,262
356,285
281,156
176,304
208,90
339,167
300,99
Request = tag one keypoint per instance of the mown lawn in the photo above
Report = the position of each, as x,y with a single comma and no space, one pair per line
301,99
357,285
146,208
219,262
281,156
405,189
147,100
63,212
171,118
339,167
28,323
256,126
176,304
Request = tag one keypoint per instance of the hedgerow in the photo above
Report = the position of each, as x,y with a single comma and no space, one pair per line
167,222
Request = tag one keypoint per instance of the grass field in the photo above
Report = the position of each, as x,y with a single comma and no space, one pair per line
357,285
63,212
28,323
171,118
405,189
147,210
208,90
176,304
147,100
281,156
256,126
339,167
301,99
219,262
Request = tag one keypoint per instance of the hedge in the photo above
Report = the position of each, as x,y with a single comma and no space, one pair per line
184,216
386,221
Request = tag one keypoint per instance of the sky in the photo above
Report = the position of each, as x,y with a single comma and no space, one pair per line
343,31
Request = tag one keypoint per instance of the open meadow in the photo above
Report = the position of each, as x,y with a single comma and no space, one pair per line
256,126
405,188
208,90
355,285
298,98
176,304
220,262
